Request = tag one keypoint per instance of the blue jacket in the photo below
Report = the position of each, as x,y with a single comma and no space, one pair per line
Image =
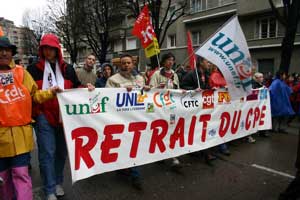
280,101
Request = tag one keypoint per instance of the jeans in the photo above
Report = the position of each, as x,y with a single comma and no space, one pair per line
52,153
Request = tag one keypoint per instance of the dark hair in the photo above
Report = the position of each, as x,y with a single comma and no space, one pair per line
166,57
280,73
126,55
17,61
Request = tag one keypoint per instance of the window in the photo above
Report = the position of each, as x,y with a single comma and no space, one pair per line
130,43
171,42
118,46
194,5
266,28
171,11
198,5
196,38
201,5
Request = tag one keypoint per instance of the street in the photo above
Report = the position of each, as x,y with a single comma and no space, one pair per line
258,171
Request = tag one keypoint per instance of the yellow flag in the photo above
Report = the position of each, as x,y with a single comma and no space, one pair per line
152,49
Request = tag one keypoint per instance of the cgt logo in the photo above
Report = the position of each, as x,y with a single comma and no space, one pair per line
223,97
208,99
162,99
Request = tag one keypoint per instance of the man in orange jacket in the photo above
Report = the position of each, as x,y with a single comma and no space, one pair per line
17,90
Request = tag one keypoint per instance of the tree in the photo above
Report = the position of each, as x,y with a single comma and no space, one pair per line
98,17
163,16
30,43
289,19
37,21
65,18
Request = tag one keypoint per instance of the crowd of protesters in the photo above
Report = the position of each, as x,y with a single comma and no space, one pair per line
50,74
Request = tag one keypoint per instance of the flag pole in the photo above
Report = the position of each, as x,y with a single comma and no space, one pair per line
184,61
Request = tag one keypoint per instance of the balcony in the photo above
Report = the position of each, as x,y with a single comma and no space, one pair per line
206,9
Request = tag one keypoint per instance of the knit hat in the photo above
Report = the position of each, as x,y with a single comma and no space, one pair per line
5,43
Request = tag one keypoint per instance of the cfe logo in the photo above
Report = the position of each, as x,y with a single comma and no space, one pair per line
208,99
164,100
223,97
95,105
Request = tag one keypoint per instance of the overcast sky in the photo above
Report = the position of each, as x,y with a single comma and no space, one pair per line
13,9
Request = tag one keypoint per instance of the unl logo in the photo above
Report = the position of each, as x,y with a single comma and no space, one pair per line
208,99
223,97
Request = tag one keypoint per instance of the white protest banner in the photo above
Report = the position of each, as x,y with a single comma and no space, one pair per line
110,129
228,50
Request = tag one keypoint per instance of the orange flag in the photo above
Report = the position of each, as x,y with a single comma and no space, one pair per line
1,32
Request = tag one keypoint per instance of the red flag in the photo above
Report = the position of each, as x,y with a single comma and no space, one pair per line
191,53
143,29
1,32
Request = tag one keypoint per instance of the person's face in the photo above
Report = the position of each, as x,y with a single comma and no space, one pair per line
90,61
260,78
49,53
169,63
283,76
291,78
5,56
205,64
126,66
107,71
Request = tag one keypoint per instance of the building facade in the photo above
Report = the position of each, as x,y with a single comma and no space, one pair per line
22,37
263,32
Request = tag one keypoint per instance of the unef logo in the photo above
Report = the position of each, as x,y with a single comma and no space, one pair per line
223,97
208,99
95,105
164,100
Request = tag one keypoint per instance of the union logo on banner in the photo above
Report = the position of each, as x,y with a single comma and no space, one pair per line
208,99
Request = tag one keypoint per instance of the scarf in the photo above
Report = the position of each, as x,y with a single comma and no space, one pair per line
50,79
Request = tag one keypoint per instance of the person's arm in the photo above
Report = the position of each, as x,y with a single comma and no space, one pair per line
38,96
154,81
110,84
176,81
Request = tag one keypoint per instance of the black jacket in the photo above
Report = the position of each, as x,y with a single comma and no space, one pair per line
190,82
